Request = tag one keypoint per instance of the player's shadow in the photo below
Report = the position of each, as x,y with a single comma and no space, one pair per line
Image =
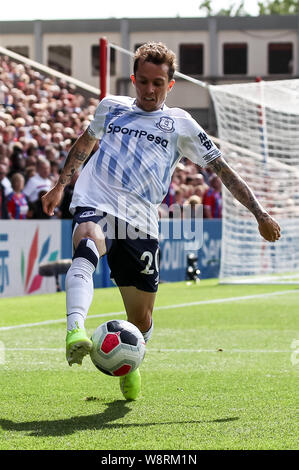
61,427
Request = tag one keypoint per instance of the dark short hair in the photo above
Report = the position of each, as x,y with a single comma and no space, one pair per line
157,53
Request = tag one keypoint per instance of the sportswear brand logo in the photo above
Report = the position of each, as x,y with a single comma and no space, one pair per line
87,214
166,124
117,112
138,134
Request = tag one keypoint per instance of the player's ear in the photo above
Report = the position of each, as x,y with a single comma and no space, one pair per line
133,78
170,85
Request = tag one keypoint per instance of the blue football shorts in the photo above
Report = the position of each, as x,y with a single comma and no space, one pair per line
133,256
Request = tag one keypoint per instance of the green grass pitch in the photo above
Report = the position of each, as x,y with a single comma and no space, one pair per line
217,374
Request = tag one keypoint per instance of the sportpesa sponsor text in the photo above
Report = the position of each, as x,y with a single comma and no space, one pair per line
138,134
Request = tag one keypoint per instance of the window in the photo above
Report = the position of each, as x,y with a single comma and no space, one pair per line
95,61
280,56
22,50
60,58
234,58
191,59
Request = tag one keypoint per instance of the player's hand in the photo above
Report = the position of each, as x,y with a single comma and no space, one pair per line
269,228
52,199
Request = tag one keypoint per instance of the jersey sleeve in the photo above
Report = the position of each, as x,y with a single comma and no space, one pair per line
96,127
194,143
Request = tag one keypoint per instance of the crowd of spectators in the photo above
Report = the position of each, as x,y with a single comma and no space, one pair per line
193,186
40,119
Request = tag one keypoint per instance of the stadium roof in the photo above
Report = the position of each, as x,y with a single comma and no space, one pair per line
151,24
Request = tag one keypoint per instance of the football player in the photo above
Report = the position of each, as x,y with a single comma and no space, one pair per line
117,195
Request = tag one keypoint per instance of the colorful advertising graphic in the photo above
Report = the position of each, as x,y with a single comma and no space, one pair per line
23,246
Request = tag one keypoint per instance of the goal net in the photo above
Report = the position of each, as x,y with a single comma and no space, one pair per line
258,127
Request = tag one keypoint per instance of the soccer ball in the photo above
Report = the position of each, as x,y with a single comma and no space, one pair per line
118,347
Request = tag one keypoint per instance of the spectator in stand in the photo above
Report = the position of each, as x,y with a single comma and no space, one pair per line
17,204
212,199
179,197
2,127
30,171
198,180
194,202
187,190
3,207
9,134
54,173
17,160
207,172
5,182
31,160
51,153
4,160
191,169
3,148
40,181
199,185
32,149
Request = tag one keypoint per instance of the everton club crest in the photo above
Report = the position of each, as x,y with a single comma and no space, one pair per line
166,124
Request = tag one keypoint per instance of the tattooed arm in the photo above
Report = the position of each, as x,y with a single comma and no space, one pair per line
268,227
79,152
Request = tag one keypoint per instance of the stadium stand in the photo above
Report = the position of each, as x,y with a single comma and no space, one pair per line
40,118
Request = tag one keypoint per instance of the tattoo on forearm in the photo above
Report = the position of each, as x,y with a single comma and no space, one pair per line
217,165
238,187
76,157
81,156
73,162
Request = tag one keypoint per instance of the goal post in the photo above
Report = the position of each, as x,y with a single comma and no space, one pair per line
104,67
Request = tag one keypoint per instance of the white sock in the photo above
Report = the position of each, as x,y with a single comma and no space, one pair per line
79,292
147,335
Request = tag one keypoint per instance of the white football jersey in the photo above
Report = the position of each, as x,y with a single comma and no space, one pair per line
129,175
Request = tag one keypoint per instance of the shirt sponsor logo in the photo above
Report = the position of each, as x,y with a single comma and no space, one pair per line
166,124
113,129
205,141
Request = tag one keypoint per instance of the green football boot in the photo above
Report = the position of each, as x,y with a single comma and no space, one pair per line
77,346
130,385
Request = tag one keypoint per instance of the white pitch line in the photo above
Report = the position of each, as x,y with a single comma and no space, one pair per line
163,307
60,320
36,349
247,351
165,350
